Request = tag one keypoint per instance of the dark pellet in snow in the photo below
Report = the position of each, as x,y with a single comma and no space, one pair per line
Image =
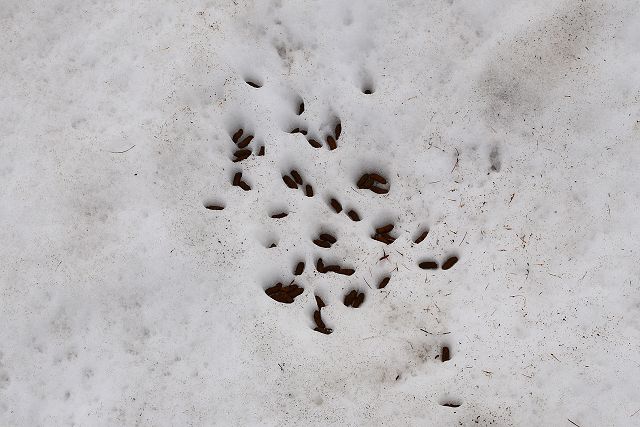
336,205
314,143
290,182
236,136
353,215
428,265
245,142
384,282
450,263
421,237
296,176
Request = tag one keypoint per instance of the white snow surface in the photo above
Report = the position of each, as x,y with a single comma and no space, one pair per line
508,129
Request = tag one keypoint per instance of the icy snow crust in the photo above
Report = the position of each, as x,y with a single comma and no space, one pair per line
508,129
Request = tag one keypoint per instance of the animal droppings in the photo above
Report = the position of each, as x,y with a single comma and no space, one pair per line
450,263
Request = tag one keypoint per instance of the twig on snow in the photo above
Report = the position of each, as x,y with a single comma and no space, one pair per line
120,152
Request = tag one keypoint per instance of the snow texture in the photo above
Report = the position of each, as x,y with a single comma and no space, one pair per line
509,130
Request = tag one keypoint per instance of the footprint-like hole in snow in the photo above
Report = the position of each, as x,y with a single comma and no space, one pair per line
214,205
254,82
450,402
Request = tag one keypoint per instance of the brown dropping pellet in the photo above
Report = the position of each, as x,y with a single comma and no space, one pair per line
384,229
322,243
367,92
331,143
359,300
242,154
346,271
284,294
301,108
317,317
421,237
350,298
353,215
299,269
261,151
319,302
296,176
379,190
445,354
279,215
384,238
290,182
378,178
314,143
303,131
273,245
296,291
294,130
333,268
336,205
244,186
384,282
365,181
428,265
338,130
275,288
236,136
214,207
328,238
450,263
320,266
254,84
245,142
237,178
308,190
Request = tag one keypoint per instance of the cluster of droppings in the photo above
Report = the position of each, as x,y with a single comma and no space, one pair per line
375,182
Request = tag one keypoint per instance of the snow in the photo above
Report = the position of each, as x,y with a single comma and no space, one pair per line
508,129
